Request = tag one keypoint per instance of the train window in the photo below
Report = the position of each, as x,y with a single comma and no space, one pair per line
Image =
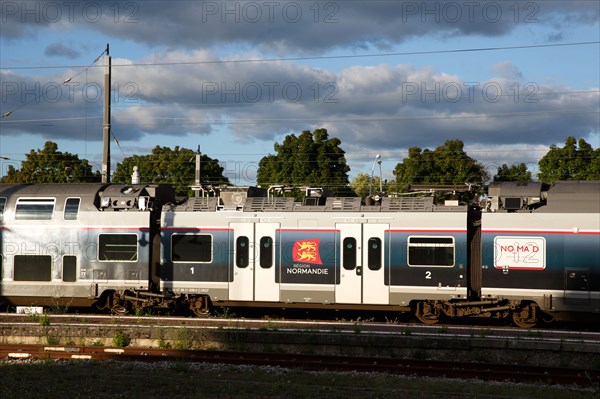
431,251
242,245
349,253
72,208
2,205
266,252
118,247
374,253
69,268
191,248
34,208
33,268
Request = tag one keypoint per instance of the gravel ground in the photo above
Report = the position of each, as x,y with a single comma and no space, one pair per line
109,379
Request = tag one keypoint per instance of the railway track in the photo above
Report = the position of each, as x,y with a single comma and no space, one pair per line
587,334
410,367
517,355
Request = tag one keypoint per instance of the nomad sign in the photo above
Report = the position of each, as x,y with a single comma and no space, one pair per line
527,253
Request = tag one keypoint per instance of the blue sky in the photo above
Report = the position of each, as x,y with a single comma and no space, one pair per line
181,76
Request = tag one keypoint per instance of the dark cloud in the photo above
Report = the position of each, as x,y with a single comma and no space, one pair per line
292,26
60,50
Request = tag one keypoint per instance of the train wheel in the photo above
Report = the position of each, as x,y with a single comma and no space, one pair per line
526,316
119,305
427,312
200,306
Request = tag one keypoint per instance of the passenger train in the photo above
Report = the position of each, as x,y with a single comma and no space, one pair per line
529,252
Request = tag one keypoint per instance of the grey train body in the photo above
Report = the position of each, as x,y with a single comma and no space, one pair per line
530,252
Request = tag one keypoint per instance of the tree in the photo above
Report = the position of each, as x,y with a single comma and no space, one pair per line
447,164
310,159
176,167
577,160
362,184
513,173
49,165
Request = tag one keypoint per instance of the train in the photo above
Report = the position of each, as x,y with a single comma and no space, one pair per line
526,252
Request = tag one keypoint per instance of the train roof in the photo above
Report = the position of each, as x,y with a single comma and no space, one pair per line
94,196
51,189
560,197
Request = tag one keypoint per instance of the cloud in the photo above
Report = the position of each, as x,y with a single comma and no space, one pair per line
292,26
59,50
507,70
392,106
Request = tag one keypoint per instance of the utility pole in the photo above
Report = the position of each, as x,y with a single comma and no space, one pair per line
106,122
197,181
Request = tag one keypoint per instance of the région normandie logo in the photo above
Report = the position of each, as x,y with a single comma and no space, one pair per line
307,251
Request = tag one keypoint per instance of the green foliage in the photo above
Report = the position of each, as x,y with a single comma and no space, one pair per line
310,159
176,167
447,164
44,320
361,184
513,173
48,165
121,339
577,160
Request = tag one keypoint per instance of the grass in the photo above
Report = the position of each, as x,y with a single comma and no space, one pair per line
54,379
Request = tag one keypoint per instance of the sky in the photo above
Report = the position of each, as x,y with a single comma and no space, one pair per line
508,78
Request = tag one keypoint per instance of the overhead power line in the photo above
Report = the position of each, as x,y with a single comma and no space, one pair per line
575,111
322,57
44,93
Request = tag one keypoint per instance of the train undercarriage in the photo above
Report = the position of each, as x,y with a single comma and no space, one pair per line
524,314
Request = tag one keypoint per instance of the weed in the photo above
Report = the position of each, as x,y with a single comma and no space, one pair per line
56,309
485,332
184,339
52,340
121,339
223,313
358,326
162,344
44,320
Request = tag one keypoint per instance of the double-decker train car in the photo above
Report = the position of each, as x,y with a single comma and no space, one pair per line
541,248
77,244
532,252
247,249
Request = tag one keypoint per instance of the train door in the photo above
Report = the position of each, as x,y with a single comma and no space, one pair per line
241,286
349,289
374,289
265,243
362,270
